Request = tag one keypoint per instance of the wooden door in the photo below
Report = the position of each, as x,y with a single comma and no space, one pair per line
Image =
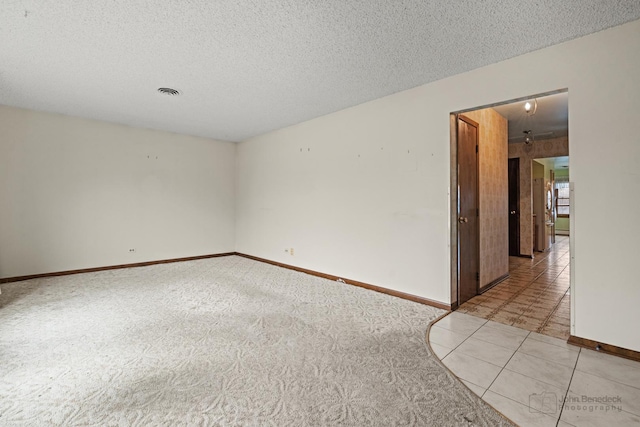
514,207
468,224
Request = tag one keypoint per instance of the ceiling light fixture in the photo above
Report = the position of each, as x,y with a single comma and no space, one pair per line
530,108
528,137
169,91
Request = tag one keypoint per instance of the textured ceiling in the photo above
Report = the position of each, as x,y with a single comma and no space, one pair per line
246,67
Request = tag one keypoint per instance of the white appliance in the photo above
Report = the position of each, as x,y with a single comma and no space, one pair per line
542,209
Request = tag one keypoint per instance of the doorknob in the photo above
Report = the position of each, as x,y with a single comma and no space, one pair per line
513,212
462,219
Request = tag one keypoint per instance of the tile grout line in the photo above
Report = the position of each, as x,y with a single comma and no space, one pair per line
456,376
505,365
569,386
513,297
606,378
463,341
553,310
544,274
537,379
549,263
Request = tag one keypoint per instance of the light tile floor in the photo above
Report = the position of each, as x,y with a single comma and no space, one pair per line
535,297
535,379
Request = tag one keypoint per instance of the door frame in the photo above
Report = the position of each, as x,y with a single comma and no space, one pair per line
453,196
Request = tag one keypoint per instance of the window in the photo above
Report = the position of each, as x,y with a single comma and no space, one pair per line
562,198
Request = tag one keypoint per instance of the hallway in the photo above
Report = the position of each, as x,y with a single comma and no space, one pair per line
535,297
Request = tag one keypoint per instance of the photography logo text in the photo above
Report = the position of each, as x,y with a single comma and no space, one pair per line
548,403
585,403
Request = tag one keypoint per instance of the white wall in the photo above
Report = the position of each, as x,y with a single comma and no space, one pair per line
383,217
78,193
364,203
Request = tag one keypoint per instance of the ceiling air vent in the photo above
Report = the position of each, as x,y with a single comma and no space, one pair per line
168,91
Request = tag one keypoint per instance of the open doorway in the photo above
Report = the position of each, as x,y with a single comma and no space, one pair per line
523,271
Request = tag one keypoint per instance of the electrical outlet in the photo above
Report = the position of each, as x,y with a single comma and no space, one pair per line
132,250
291,251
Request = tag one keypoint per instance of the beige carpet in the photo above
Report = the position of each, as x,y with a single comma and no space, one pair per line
224,341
